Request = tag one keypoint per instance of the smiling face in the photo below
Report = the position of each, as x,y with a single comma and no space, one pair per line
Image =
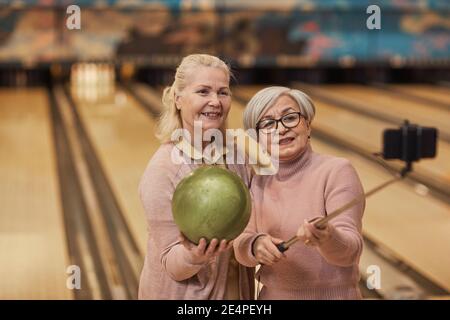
206,98
292,140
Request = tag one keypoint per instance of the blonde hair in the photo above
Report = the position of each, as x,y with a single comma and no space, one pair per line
265,98
170,119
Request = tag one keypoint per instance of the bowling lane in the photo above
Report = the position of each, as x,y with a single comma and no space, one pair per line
235,116
123,136
433,93
33,248
396,217
366,132
381,101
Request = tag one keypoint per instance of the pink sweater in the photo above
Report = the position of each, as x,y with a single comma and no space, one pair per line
166,273
304,188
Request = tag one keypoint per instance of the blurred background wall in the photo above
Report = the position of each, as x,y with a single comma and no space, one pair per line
252,33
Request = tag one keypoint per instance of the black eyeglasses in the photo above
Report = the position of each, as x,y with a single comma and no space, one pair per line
290,120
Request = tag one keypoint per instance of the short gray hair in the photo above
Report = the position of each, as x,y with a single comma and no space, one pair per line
265,98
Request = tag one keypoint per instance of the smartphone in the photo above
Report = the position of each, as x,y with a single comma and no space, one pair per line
410,142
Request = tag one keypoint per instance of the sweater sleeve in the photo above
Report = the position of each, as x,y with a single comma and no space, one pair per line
344,247
156,190
243,243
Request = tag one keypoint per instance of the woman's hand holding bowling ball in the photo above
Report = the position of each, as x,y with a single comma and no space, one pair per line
310,235
203,252
265,250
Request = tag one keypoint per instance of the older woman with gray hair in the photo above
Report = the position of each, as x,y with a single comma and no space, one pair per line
308,185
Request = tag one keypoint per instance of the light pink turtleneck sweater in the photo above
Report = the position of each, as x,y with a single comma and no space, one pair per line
304,188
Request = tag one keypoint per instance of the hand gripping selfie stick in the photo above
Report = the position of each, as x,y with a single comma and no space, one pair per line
408,143
320,223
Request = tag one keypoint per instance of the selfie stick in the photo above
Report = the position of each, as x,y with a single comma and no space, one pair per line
320,223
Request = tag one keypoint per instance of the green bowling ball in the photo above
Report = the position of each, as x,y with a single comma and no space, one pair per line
211,202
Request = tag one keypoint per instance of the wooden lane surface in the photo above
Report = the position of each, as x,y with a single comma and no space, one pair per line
413,226
433,93
33,248
122,134
376,99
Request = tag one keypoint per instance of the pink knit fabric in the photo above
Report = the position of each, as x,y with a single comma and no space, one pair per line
166,273
309,186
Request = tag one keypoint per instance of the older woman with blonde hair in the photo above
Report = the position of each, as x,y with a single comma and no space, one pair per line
308,185
175,268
